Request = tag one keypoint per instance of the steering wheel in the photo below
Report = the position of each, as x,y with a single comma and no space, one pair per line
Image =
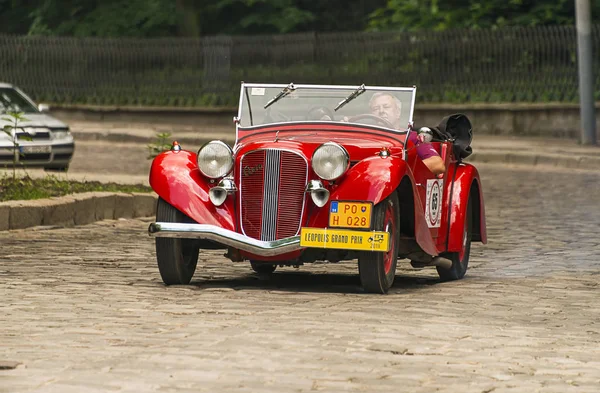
377,119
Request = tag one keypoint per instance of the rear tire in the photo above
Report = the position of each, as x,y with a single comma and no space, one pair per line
377,270
460,260
263,267
177,258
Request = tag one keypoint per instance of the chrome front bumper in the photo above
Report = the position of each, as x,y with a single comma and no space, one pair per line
226,237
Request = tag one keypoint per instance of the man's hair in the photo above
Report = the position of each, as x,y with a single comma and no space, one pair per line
381,94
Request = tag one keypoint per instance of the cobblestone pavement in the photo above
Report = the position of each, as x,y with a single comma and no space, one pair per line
84,310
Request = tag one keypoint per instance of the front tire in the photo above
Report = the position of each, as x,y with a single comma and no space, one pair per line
377,270
263,267
177,258
460,260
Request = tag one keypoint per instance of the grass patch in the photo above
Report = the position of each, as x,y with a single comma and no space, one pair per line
25,188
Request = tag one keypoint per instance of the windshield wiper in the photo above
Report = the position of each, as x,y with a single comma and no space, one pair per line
286,90
361,89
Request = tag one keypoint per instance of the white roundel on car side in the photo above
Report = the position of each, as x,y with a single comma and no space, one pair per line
433,205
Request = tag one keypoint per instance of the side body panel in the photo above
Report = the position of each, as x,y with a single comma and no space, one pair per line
175,177
466,180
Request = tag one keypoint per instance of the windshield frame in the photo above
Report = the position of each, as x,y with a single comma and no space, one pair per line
246,86
24,96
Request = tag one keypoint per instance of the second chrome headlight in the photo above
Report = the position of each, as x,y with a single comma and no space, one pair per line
330,161
215,159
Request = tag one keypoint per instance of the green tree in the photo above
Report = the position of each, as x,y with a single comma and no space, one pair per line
191,18
254,17
441,15
106,18
15,16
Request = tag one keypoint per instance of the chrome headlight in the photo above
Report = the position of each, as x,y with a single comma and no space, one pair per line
215,159
59,134
330,161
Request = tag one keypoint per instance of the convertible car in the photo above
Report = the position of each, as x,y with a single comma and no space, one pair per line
321,173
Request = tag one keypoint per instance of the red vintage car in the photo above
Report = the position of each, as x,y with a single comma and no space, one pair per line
322,173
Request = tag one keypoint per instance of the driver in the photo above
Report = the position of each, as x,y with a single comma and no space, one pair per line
389,107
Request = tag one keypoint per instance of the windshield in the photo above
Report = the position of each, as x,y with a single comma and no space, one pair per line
386,107
12,101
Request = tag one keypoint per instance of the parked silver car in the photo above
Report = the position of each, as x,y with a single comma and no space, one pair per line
44,141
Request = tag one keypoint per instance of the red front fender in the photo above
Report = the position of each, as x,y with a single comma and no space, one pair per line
466,184
373,179
175,177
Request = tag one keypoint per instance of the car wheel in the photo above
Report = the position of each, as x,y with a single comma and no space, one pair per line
177,258
377,270
263,267
460,260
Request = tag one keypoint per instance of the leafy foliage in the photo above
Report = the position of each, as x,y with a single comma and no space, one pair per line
159,144
26,188
442,15
162,18
15,119
106,18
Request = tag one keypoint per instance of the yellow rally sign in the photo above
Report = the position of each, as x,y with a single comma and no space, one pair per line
344,239
350,214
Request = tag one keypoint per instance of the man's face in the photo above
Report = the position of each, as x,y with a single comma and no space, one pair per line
385,107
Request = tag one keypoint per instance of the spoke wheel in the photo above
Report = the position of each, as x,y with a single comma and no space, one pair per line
460,260
263,267
377,270
177,258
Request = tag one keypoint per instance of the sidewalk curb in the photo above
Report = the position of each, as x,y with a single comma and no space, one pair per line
130,138
553,160
77,209
483,155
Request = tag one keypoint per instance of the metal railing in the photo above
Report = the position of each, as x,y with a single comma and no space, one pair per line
505,65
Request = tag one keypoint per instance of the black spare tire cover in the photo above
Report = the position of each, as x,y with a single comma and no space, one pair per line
459,128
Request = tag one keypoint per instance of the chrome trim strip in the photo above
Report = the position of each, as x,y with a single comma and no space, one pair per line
270,195
227,184
226,237
239,112
330,87
412,105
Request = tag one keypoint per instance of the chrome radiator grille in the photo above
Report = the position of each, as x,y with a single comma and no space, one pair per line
272,185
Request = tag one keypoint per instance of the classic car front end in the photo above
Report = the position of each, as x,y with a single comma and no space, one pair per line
292,192
274,198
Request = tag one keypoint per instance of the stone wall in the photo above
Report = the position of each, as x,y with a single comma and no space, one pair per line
554,119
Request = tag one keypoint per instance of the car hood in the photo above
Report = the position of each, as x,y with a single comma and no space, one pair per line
35,120
358,144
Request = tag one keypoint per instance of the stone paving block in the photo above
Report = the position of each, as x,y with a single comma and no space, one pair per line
84,208
4,216
25,214
144,204
123,205
59,211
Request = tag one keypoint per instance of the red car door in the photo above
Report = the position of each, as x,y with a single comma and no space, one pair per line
432,192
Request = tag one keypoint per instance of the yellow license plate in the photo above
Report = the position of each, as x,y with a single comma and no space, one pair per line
345,239
350,214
